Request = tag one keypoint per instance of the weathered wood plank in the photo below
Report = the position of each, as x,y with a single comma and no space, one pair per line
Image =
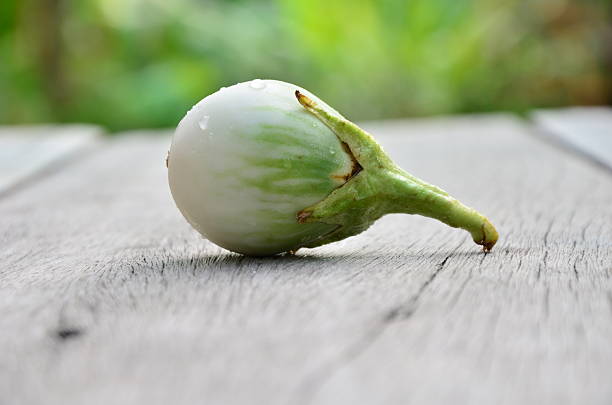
585,129
107,296
26,151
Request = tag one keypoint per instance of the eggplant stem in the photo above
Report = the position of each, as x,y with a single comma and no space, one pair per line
382,188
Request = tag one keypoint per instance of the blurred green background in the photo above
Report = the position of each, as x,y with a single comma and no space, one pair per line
142,63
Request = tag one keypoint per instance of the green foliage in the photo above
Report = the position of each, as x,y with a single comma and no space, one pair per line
142,63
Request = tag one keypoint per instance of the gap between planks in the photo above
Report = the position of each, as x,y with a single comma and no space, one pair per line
584,130
30,152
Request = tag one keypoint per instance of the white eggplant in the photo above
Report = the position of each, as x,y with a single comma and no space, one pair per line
265,167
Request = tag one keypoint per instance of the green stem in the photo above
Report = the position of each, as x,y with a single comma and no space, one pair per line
382,188
410,197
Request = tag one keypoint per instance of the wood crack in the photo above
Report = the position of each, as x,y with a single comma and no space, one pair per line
401,312
544,262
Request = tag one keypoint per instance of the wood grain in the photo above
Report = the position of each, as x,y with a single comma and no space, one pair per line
107,296
585,129
28,151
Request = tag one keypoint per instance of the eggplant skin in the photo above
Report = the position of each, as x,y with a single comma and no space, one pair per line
246,159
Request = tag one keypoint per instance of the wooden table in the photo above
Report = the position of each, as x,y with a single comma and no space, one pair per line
107,296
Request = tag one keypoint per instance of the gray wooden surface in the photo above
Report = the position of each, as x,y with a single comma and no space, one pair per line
26,152
588,129
108,297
